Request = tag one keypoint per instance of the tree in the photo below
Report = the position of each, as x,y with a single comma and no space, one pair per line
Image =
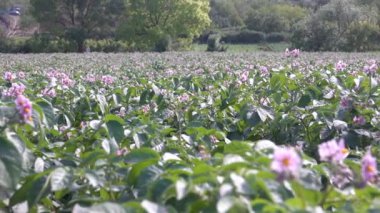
77,20
275,18
338,25
149,21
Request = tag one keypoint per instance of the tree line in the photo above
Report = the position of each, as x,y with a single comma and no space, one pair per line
160,25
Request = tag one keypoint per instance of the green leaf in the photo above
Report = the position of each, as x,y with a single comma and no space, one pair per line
237,147
309,196
47,108
102,103
115,130
10,164
61,178
140,155
107,207
264,114
304,101
32,190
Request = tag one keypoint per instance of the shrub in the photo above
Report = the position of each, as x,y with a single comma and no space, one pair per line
275,37
163,44
107,45
213,44
244,37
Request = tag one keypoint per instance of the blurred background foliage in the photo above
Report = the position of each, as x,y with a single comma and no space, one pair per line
158,25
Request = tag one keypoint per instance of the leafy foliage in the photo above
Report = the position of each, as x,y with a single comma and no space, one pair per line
185,132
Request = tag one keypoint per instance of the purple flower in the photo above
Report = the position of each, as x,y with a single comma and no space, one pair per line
24,108
21,75
369,167
264,70
15,90
8,76
107,79
184,98
345,102
90,78
66,82
333,151
294,53
49,92
286,163
244,76
371,68
359,120
340,66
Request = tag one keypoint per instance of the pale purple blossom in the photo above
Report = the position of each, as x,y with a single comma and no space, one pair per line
371,67
244,76
8,76
49,92
24,108
333,151
66,82
359,120
21,75
345,103
184,98
340,66
15,90
90,78
145,108
294,53
107,79
369,167
264,70
286,163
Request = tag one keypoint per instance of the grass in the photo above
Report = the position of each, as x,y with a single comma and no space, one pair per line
274,47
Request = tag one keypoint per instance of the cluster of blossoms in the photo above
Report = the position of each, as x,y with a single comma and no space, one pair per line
345,103
14,91
90,78
184,98
64,79
24,108
359,120
264,70
294,53
8,76
335,152
340,66
371,67
49,92
107,79
287,163
244,76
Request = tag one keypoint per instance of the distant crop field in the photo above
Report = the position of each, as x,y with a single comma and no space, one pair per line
236,48
189,132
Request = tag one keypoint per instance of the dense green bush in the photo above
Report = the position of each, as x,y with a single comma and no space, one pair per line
46,44
107,45
338,26
362,36
163,44
243,37
275,37
213,44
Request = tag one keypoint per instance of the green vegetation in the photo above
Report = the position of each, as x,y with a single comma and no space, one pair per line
167,25
236,48
189,132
